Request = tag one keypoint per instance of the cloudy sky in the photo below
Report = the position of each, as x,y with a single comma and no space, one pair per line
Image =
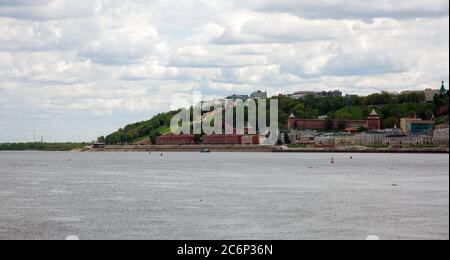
74,70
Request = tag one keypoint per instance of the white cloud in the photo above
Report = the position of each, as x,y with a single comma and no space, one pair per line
74,70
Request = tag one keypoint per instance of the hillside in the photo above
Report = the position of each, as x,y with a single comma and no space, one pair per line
390,107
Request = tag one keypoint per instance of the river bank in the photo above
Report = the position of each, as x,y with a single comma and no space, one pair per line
261,149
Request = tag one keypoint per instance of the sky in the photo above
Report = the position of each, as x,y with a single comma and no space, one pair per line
75,70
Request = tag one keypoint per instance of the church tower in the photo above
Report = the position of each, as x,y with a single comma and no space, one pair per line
442,91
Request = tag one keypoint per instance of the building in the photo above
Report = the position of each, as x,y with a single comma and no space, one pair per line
175,140
305,137
441,135
405,140
371,138
285,136
442,91
259,95
393,131
238,97
344,140
373,122
324,140
430,94
222,139
334,93
416,126
250,140
301,94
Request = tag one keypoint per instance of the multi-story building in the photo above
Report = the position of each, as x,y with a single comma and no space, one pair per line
430,94
222,139
259,95
301,94
334,93
238,97
175,140
405,140
393,131
324,140
372,138
416,126
441,134
305,137
344,140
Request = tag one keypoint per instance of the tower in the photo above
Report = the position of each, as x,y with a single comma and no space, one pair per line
292,121
442,91
374,121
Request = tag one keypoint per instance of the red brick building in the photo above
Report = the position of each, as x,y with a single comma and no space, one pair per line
222,139
373,122
175,140
250,140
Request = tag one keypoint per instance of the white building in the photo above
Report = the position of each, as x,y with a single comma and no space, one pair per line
441,134
259,95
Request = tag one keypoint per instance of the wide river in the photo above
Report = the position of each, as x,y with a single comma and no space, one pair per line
52,195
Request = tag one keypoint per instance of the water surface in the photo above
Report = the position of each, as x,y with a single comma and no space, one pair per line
51,195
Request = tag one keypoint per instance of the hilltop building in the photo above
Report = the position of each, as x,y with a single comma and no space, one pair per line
442,91
430,94
372,122
259,95
334,93
303,94
238,97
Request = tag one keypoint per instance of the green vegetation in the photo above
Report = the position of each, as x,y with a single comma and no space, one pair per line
390,107
391,113
157,126
41,146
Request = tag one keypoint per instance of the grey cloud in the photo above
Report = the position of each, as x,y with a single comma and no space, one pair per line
352,9
44,10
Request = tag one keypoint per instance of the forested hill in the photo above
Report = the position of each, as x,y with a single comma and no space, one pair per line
390,107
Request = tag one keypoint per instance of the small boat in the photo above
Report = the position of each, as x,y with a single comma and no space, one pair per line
332,160
205,151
